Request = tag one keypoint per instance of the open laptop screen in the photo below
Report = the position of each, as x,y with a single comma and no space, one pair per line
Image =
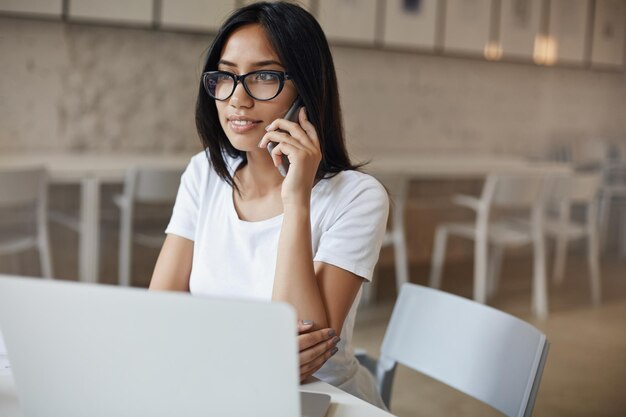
79,349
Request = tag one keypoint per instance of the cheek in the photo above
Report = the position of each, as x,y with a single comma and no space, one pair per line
221,109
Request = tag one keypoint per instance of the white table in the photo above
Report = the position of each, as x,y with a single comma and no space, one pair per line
454,166
90,171
342,403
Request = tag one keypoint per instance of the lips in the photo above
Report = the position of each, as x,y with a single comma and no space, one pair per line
242,124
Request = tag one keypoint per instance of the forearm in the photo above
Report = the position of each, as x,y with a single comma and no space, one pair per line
294,280
173,267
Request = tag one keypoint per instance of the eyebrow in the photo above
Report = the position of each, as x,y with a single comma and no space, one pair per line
255,64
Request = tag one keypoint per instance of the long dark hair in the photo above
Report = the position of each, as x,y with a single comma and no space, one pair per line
303,50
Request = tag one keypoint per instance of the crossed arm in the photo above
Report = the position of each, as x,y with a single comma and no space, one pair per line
320,293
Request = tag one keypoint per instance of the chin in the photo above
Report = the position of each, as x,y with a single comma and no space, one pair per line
244,143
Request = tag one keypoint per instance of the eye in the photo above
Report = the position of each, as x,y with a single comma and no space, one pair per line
265,77
222,77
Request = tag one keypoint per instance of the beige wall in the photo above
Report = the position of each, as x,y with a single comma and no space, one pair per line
68,86
80,87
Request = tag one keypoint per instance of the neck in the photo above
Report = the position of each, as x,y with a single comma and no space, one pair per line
259,177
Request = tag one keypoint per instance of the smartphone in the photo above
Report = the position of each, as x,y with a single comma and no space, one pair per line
292,116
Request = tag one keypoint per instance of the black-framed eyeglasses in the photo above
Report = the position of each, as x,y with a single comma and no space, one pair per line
261,85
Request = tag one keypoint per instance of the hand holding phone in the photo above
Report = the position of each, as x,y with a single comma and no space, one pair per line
292,116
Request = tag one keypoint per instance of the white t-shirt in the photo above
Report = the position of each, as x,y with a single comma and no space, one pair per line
236,259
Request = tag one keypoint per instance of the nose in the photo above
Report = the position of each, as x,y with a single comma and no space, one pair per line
240,97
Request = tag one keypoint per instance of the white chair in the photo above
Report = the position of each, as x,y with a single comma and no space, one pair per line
146,186
480,351
613,189
502,192
26,190
578,190
398,186
591,154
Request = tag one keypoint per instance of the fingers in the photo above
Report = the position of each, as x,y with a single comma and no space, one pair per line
310,368
313,353
283,148
298,139
293,128
304,325
303,132
299,144
281,138
308,340
307,126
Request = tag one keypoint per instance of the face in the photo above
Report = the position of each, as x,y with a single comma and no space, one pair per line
243,118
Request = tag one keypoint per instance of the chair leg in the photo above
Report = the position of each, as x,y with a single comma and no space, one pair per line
561,241
125,249
401,261
45,260
622,232
593,254
495,265
539,287
439,251
605,209
43,245
480,268
560,258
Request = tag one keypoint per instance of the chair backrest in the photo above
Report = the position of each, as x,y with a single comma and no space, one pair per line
591,152
585,154
23,186
480,351
576,188
614,173
152,185
510,190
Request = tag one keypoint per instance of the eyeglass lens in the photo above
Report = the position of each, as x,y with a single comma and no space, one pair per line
261,85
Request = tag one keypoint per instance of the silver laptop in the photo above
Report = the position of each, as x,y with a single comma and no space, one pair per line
91,350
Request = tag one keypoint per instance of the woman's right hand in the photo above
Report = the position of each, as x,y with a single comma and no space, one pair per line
315,347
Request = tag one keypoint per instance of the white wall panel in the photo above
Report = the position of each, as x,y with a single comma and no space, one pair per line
608,33
34,7
195,14
348,20
568,30
467,25
113,11
520,23
411,27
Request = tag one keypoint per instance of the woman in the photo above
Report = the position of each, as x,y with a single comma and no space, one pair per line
241,229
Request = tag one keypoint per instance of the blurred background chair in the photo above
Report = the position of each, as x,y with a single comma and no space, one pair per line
480,351
502,192
590,155
567,193
586,154
24,200
150,187
612,192
398,187
608,159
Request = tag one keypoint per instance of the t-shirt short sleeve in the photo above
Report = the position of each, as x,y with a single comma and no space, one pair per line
185,213
353,240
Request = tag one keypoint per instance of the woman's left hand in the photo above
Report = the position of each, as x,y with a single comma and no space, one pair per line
300,143
315,347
